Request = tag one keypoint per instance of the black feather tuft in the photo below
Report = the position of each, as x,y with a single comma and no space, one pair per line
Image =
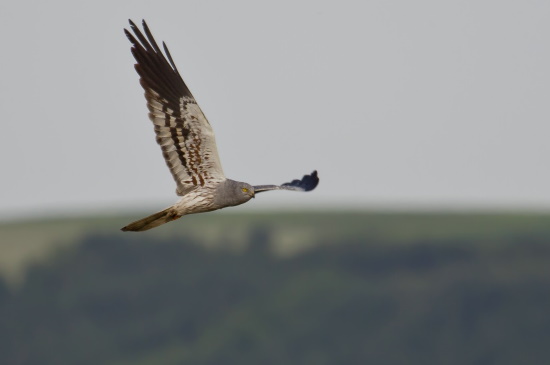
308,182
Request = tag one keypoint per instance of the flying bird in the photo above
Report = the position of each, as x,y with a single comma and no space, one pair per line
187,140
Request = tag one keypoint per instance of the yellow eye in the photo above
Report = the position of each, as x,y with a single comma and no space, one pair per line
245,190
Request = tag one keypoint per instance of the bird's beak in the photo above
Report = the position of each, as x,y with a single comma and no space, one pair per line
253,194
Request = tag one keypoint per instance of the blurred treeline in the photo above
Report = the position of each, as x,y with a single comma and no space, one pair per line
168,299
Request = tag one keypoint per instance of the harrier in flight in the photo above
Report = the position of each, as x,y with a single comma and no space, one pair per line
187,140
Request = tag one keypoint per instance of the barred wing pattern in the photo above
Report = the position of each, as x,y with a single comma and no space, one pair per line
183,132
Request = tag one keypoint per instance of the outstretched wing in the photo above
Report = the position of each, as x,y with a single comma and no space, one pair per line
183,132
308,183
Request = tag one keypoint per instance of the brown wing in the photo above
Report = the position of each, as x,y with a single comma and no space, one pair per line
183,132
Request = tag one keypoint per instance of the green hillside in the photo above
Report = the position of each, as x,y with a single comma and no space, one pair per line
286,288
23,243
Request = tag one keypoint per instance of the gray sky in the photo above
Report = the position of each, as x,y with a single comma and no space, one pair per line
401,104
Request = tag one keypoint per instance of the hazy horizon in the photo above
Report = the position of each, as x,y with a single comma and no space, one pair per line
398,105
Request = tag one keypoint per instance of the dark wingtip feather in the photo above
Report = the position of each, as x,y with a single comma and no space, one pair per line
158,72
308,182
129,35
132,25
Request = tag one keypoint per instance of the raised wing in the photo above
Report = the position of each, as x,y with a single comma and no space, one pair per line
183,132
308,183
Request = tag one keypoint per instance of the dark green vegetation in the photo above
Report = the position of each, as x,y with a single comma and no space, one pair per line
289,289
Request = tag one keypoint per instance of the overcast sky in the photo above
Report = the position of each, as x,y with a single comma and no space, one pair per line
407,104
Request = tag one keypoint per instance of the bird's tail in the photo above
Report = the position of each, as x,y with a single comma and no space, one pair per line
152,221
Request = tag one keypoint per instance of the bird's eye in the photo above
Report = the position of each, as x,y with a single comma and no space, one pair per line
245,190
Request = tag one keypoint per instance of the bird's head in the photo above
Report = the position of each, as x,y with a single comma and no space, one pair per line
230,193
247,190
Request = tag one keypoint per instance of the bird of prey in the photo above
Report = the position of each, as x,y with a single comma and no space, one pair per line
187,140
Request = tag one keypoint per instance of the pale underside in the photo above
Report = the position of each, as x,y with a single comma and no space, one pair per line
188,143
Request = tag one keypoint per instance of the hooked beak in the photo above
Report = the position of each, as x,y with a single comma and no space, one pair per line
252,194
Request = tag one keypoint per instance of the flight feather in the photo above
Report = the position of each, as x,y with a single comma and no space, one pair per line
182,131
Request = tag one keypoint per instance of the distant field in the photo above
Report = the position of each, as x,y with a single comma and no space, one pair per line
22,243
